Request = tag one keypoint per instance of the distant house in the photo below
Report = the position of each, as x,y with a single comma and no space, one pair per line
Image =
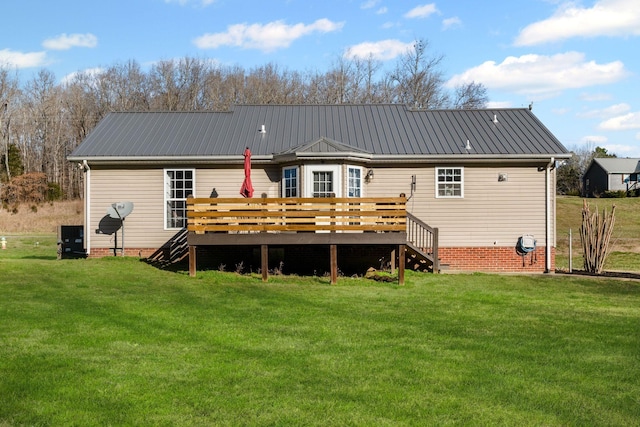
610,174
483,178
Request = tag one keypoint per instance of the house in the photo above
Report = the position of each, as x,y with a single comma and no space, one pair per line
482,178
610,174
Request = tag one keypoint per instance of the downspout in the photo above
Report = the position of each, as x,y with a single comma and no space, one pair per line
549,196
87,206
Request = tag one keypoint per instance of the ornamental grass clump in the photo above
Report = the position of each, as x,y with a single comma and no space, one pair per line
595,235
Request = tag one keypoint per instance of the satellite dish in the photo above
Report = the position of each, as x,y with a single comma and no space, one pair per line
120,210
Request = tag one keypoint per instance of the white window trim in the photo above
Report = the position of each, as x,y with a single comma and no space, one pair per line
308,178
361,169
461,196
297,168
166,199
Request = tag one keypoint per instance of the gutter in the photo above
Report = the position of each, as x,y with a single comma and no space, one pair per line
270,159
548,197
87,205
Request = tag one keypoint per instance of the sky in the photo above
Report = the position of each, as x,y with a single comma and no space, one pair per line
578,62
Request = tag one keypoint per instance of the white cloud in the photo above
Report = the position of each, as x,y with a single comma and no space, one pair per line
369,4
267,38
542,76
606,18
622,150
591,97
638,136
451,23
382,11
383,50
499,104
90,73
594,139
185,2
423,11
15,59
612,111
624,122
67,41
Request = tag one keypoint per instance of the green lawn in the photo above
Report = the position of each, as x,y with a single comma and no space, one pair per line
117,342
625,241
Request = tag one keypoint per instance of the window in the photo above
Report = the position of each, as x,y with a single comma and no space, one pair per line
449,182
323,184
290,182
322,181
179,184
354,187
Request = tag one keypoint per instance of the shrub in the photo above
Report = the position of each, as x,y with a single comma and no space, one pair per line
29,187
54,192
614,194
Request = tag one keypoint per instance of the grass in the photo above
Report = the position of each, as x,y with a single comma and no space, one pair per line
625,241
40,218
115,341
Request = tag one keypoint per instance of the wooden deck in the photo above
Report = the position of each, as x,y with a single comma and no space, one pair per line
297,221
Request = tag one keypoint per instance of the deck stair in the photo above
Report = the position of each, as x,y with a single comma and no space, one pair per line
422,246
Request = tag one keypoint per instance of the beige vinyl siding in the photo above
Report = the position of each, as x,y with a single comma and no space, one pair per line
227,182
491,213
144,227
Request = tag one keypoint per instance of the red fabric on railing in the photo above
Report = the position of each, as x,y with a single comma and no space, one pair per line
247,188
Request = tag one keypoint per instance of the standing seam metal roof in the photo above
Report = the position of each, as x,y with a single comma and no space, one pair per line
618,165
380,129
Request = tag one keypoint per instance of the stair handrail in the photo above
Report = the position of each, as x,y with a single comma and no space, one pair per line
424,238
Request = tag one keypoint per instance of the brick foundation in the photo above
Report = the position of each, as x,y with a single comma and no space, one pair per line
494,259
135,252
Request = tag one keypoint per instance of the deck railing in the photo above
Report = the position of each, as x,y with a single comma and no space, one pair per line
423,238
334,214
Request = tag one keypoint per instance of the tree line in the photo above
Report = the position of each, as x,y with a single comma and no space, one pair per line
42,121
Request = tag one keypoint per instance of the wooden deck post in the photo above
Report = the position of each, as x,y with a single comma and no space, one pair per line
192,261
333,251
401,262
436,256
264,256
393,261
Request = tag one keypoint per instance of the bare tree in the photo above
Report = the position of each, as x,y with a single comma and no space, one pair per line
165,86
470,96
223,87
43,107
8,96
127,87
418,79
269,85
368,89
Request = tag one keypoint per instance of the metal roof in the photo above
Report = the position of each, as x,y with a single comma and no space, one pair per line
384,130
618,165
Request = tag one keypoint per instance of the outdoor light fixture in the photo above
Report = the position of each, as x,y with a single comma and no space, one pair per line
369,176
